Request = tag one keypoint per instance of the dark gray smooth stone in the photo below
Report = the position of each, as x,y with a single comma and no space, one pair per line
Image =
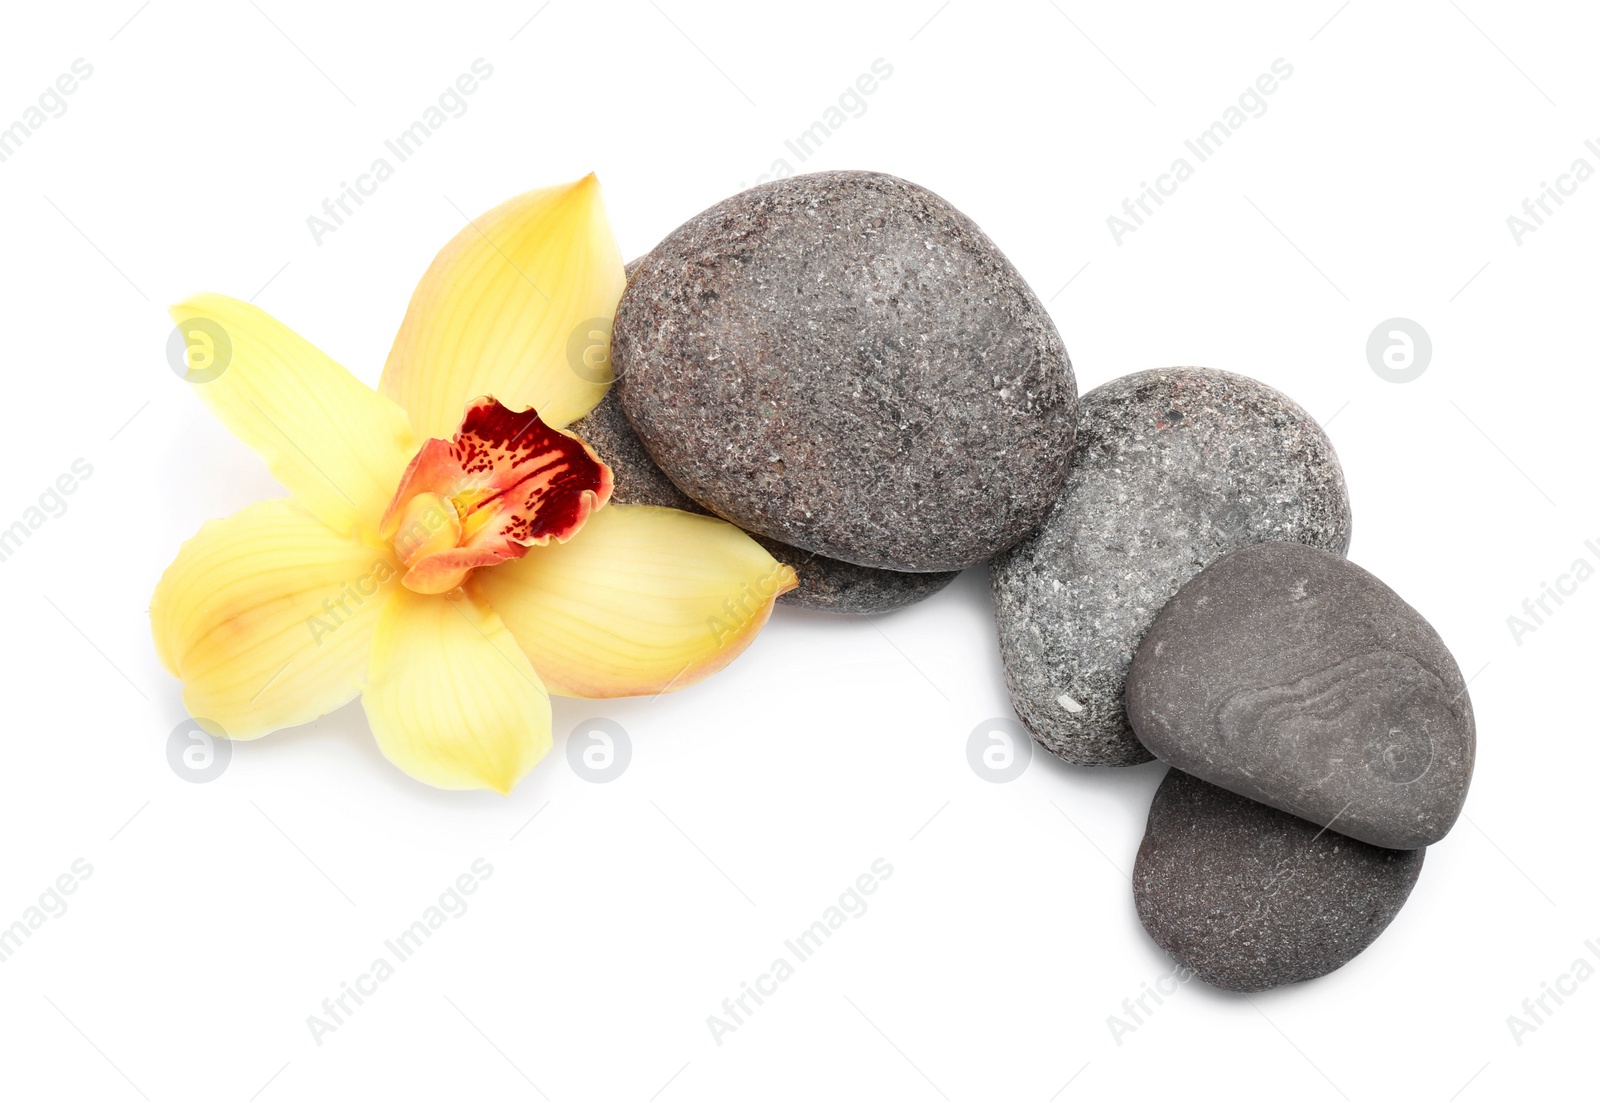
1250,898
1293,677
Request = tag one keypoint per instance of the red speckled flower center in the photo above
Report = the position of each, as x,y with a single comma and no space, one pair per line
507,482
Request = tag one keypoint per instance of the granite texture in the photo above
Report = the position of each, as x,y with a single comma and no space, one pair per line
842,361
828,585
1250,898
1294,677
1173,468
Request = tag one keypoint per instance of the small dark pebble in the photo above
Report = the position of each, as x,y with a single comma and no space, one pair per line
1250,897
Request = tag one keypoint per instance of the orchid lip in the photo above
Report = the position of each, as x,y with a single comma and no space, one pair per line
505,483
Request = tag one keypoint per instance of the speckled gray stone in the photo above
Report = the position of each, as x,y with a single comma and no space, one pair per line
828,585
844,362
1174,467
1250,898
1295,678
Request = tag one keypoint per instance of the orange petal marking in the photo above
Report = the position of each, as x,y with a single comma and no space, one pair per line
507,482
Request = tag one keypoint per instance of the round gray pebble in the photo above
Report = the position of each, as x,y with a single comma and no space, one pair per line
1174,468
1295,678
1250,898
827,585
844,362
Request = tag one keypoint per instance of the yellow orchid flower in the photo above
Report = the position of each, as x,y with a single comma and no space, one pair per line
447,551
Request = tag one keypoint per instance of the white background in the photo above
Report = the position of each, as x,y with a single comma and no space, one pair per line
219,916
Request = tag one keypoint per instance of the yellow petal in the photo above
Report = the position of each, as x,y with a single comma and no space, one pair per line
641,601
267,617
335,443
451,698
518,307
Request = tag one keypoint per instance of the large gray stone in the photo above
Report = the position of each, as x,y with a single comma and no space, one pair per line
844,362
1294,677
1174,468
828,585
1250,898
